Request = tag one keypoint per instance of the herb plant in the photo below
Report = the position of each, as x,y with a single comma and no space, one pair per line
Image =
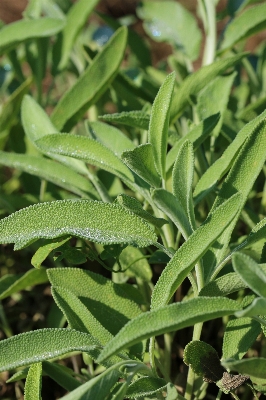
138,195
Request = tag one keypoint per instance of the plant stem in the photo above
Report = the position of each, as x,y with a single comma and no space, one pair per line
209,20
191,376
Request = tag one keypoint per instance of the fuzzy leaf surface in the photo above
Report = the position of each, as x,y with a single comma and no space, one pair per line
217,170
250,272
141,161
257,307
159,123
110,137
168,319
197,135
42,344
192,250
92,83
100,222
33,384
145,386
61,375
135,119
85,149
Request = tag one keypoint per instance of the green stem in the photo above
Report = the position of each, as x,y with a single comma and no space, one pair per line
209,20
99,187
191,376
43,189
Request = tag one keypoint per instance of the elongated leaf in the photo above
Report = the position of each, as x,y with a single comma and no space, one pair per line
85,149
135,264
159,123
11,108
217,170
251,158
110,303
78,316
136,119
43,344
254,367
168,203
169,319
61,375
98,387
145,386
209,102
250,272
251,21
97,221
257,233
192,250
182,180
171,23
257,307
239,336
92,84
75,20
141,161
11,284
18,32
33,385
43,251
223,286
133,205
110,137
197,81
37,124
50,170
196,136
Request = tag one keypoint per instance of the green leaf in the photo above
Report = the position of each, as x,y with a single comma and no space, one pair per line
50,170
37,124
251,158
257,233
254,367
195,82
20,31
192,250
136,119
11,107
98,387
145,386
250,272
168,203
197,135
133,205
182,180
257,307
61,375
141,161
75,20
110,303
135,264
209,102
11,284
42,344
217,170
239,336
85,149
159,123
33,384
168,319
78,316
251,21
96,221
171,23
203,360
43,251
110,137
92,83
223,286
